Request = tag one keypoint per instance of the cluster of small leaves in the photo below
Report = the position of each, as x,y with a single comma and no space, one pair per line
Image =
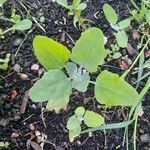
88,53
4,145
90,119
4,62
18,23
112,18
75,10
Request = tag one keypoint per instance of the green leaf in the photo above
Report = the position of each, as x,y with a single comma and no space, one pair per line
92,119
74,133
73,123
2,2
63,3
148,16
75,3
54,87
23,25
89,51
110,14
82,6
80,78
122,39
50,53
124,24
80,111
112,90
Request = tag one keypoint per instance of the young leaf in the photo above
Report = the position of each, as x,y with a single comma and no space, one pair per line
148,16
89,51
73,123
80,79
74,133
82,6
50,53
122,39
111,90
110,14
23,25
75,3
92,119
63,3
54,87
80,111
124,24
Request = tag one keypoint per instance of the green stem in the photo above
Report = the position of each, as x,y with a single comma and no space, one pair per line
7,31
127,71
134,4
134,133
6,19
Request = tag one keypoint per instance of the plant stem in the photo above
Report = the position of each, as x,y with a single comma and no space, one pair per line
92,82
7,31
134,4
134,133
141,52
6,19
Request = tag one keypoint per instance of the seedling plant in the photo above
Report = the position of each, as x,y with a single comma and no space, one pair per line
18,24
4,62
70,70
75,10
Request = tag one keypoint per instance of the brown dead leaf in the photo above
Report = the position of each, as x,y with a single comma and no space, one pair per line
131,50
35,146
136,35
123,64
13,94
147,54
4,122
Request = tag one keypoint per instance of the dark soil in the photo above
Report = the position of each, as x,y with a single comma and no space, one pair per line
51,125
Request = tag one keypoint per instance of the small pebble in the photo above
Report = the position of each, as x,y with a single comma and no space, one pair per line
145,138
14,135
31,127
17,42
37,133
17,68
35,67
23,76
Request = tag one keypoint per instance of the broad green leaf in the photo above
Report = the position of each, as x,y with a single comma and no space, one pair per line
80,111
54,87
58,103
50,53
92,119
112,90
63,3
73,123
74,133
2,2
80,78
122,39
23,25
89,51
110,14
148,16
124,24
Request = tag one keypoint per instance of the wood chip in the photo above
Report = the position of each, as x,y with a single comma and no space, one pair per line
24,102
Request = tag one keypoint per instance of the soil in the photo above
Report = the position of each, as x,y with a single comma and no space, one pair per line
25,128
